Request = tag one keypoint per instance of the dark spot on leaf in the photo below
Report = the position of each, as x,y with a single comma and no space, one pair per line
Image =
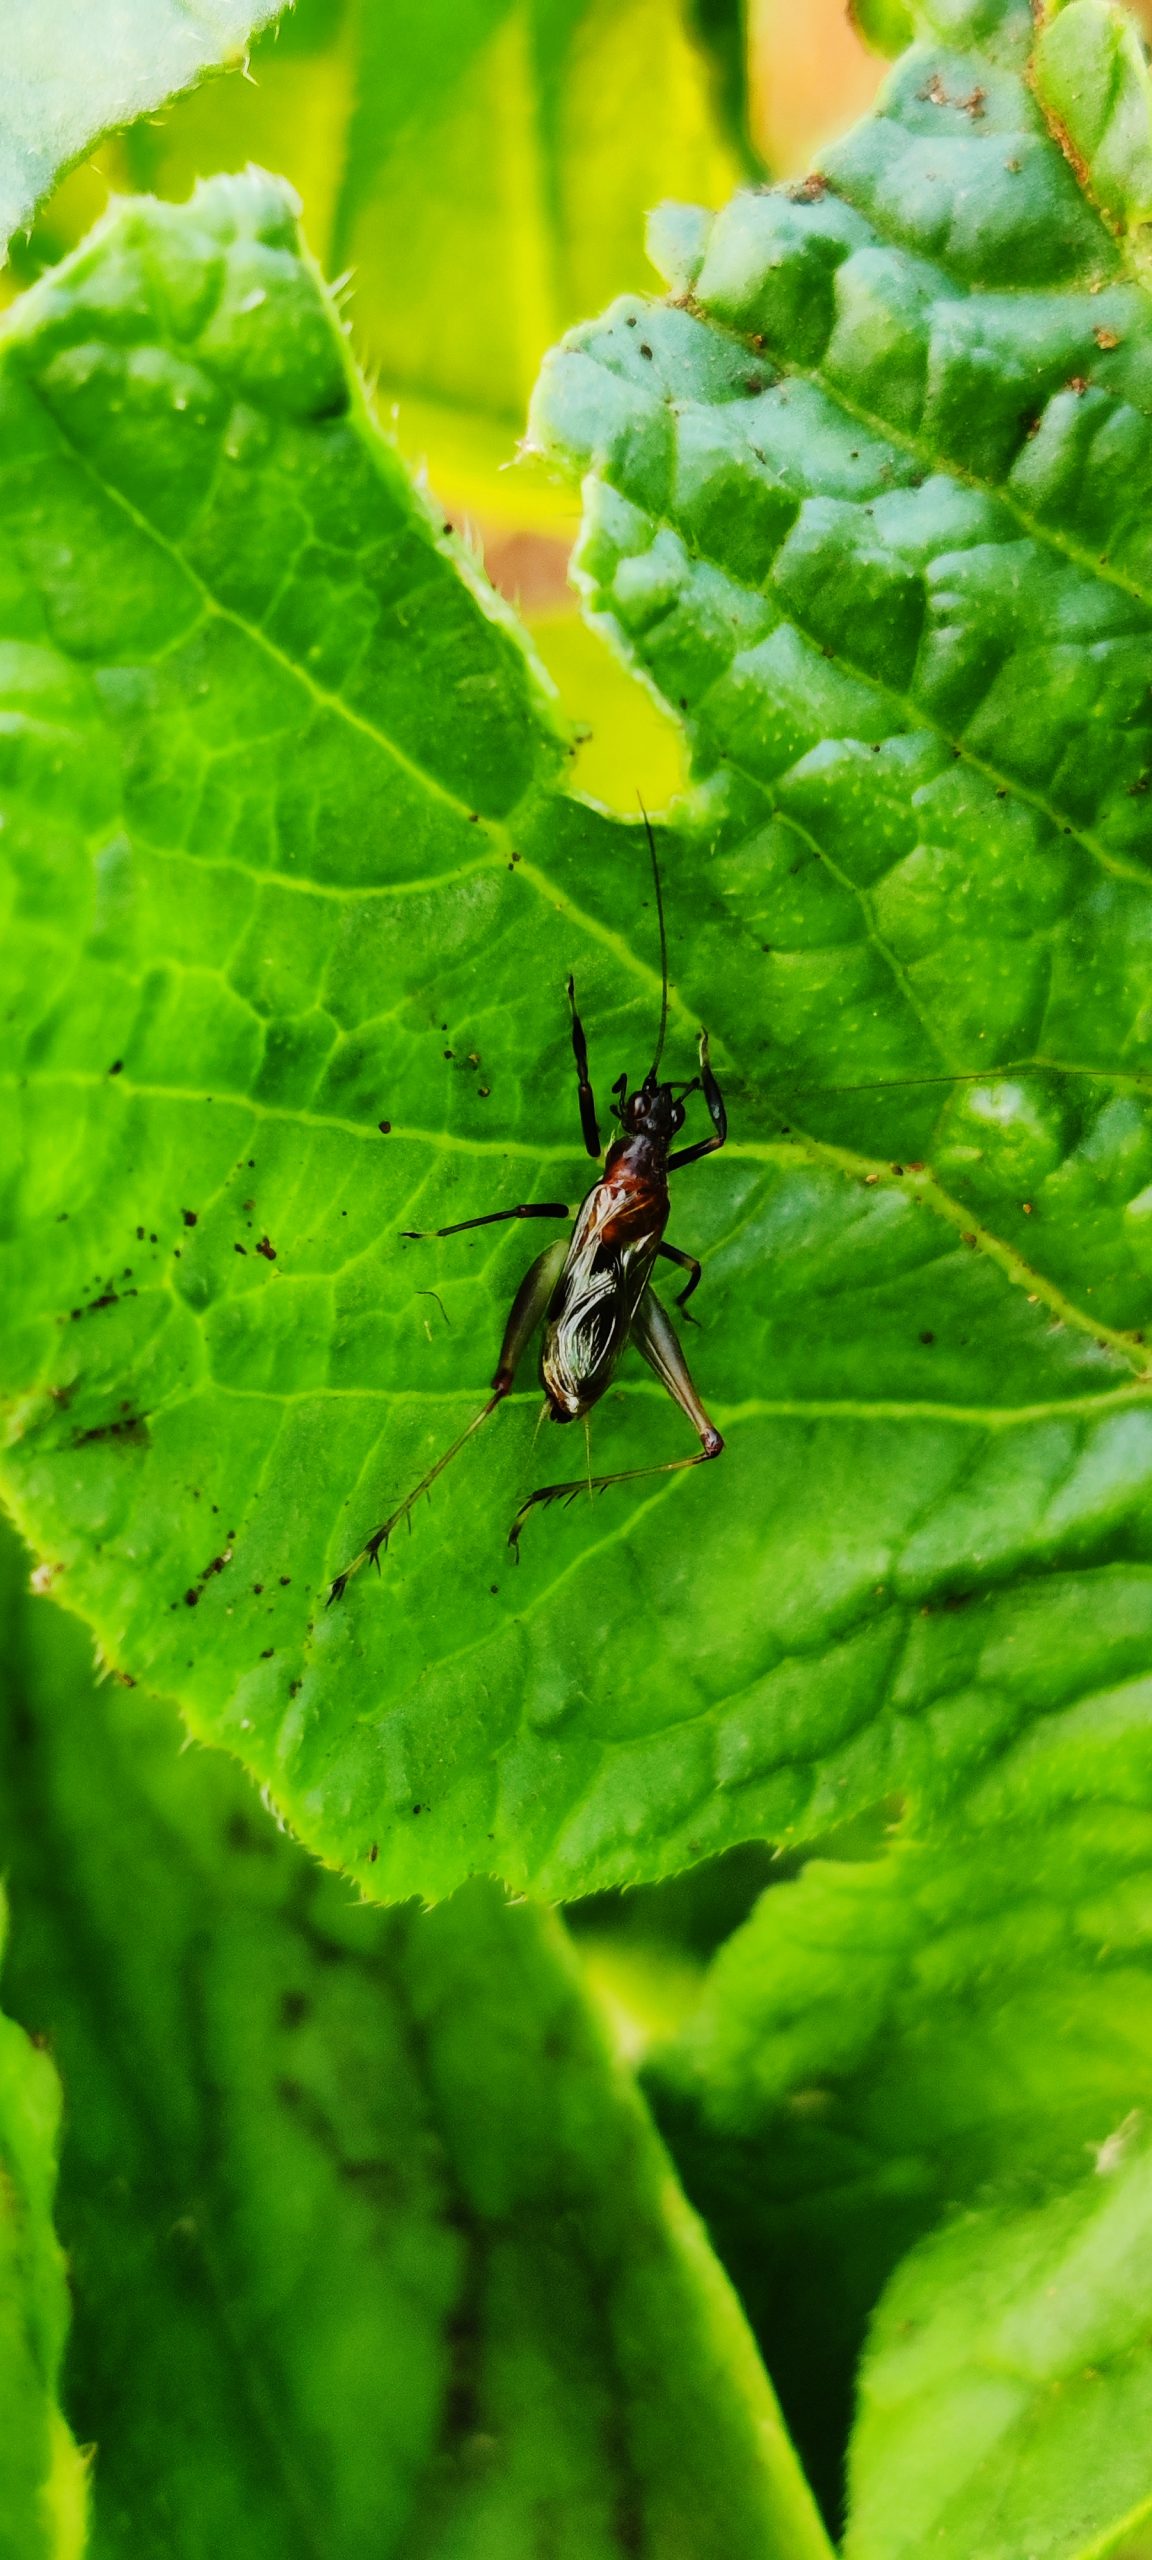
191,1599
117,1067
268,1652
268,1250
294,2008
645,350
258,1588
373,1854
240,1248
127,1427
189,1217
927,1337
385,1128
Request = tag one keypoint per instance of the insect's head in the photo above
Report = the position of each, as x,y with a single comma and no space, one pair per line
655,1110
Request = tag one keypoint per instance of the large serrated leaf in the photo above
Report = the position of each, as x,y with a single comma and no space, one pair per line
373,2250
291,862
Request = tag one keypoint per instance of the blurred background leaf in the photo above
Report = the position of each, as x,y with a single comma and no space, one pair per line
484,169
373,2248
71,72
42,2477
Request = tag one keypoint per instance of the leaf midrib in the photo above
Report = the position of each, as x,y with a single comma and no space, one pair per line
865,1169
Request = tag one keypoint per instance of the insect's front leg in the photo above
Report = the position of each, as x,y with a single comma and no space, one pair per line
528,1309
589,1125
716,1112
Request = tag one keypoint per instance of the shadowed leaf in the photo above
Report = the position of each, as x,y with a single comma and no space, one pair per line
373,2249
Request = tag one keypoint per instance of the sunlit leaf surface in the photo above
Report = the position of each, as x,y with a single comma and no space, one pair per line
291,861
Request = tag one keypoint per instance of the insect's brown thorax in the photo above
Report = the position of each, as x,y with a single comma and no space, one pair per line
634,1188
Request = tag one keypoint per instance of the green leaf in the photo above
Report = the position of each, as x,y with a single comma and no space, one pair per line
373,2248
887,25
1007,2393
42,2476
482,168
883,2040
1091,76
271,754
72,72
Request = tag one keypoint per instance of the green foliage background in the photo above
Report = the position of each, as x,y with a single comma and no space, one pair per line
373,2244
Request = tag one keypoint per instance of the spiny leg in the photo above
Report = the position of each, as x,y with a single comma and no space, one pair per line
654,1334
492,1218
589,1125
717,1113
526,1312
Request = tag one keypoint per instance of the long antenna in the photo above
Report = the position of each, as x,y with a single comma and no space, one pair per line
663,943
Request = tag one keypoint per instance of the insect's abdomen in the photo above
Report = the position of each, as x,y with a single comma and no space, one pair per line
611,1254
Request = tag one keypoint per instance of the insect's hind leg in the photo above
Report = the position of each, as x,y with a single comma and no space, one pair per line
655,1335
527,1309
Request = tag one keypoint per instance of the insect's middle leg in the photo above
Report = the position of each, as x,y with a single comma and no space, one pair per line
687,1262
491,1218
527,1311
655,1335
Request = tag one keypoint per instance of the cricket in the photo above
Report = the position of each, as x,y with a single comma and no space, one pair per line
590,1295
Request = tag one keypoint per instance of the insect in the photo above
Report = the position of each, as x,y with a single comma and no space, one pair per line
591,1295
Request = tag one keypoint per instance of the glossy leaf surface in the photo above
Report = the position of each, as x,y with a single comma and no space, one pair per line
1007,2395
310,872
373,2249
72,72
